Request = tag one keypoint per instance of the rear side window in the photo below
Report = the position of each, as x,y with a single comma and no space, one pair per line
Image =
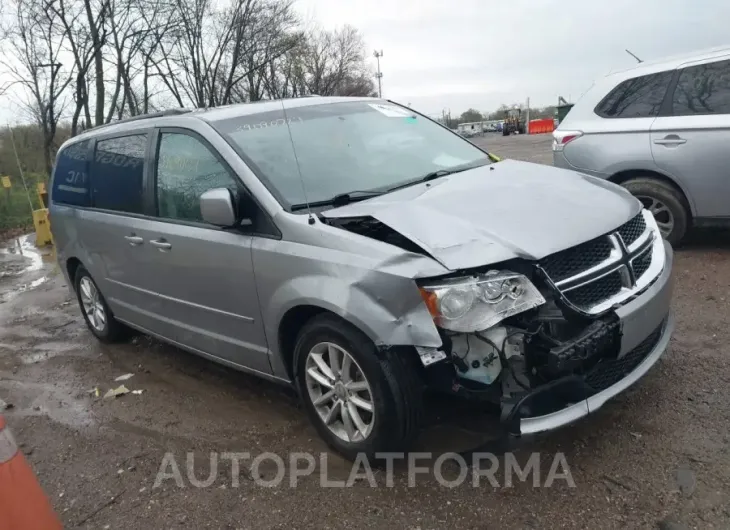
70,180
117,171
703,89
639,97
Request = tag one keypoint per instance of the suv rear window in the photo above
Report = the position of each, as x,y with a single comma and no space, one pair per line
703,89
70,180
116,173
640,97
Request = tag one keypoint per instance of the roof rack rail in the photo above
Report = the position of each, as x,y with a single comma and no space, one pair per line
160,114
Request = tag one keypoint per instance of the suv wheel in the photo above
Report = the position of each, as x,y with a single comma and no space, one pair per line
665,202
360,400
97,314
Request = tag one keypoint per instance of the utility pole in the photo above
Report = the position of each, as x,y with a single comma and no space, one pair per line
378,54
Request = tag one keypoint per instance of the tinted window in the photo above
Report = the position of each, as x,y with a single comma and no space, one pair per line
344,147
117,171
639,97
186,169
703,89
70,179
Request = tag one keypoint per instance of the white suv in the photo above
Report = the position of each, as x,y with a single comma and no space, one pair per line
662,130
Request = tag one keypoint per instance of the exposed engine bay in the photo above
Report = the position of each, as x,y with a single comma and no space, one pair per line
535,335
528,352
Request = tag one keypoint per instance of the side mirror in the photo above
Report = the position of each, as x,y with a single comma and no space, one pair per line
216,207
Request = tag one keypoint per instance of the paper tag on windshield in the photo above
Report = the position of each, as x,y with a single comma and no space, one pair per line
391,111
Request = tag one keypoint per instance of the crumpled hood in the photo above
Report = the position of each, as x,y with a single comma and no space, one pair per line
493,213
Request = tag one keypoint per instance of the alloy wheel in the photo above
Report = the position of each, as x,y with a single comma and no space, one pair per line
662,214
340,392
91,302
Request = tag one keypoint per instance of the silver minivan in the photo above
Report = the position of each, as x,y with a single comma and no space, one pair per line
662,130
363,253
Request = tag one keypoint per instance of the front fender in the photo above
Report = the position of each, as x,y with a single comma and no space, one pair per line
399,319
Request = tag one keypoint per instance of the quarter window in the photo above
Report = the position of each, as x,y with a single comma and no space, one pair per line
640,97
70,179
117,171
186,169
703,89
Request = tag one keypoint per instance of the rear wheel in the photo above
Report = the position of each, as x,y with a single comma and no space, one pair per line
99,318
665,202
360,400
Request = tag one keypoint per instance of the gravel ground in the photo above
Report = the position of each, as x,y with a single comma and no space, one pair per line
656,456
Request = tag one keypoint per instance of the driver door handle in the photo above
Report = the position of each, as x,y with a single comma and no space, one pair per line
160,244
134,240
671,139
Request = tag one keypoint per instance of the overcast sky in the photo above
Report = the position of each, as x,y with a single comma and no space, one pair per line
456,54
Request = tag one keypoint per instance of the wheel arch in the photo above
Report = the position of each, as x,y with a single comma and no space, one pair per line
72,265
625,175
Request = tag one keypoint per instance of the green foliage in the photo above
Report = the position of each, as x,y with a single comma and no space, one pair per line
471,115
29,143
15,212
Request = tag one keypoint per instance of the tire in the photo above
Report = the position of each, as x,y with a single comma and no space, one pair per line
395,389
666,202
505,132
111,330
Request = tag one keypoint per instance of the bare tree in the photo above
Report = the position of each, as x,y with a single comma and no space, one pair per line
325,63
31,54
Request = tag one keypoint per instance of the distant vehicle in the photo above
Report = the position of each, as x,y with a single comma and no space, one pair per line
662,130
514,122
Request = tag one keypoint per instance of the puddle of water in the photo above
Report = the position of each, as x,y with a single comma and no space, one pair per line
58,401
30,251
36,261
22,288
49,350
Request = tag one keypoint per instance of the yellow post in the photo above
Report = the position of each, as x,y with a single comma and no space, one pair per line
42,228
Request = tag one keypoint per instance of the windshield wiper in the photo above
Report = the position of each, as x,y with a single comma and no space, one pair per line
432,175
341,199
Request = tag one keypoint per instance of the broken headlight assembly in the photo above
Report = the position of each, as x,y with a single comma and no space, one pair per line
479,302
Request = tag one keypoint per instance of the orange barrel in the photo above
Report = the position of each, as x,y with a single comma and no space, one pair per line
23,505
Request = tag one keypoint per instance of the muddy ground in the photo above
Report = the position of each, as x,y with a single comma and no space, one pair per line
655,457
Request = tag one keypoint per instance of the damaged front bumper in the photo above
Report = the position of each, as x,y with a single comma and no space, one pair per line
646,328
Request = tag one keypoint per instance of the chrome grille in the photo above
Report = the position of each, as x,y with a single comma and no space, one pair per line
603,272
642,263
590,294
568,262
632,230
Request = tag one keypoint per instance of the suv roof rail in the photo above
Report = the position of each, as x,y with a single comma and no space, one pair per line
160,114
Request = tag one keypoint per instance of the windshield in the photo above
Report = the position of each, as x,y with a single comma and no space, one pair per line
343,148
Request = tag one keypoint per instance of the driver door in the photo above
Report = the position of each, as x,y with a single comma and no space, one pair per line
198,279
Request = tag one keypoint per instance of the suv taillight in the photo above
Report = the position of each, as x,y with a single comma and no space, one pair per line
563,138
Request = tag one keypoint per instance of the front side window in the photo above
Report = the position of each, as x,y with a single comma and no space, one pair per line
117,171
70,179
640,97
186,169
340,148
703,89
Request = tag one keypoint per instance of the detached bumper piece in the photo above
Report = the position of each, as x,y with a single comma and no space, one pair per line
606,379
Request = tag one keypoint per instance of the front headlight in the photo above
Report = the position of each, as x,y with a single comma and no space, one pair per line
479,302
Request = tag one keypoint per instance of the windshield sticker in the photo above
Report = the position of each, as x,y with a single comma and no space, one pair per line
391,111
268,123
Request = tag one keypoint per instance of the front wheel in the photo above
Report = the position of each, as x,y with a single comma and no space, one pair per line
360,400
